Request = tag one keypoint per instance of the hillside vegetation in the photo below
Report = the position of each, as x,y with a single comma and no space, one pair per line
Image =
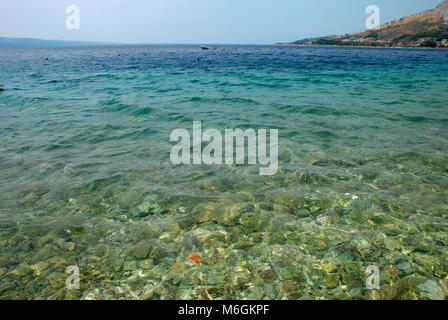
426,29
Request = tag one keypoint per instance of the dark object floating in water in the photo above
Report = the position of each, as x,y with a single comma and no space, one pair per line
46,59
1,89
119,55
208,48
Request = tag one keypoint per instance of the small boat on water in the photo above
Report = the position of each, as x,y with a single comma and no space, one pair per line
208,48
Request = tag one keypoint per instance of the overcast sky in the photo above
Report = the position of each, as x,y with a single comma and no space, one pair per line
197,21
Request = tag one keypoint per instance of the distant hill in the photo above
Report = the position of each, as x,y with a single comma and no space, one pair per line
426,29
28,42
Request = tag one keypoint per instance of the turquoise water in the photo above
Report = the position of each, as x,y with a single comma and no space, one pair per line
86,177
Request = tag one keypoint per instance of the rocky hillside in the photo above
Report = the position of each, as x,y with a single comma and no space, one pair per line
426,29
442,9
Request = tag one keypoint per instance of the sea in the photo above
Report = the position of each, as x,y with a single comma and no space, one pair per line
92,207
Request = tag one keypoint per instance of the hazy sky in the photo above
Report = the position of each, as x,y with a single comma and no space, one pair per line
197,21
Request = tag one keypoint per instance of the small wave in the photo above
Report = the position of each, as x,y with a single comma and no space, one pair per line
166,90
238,101
325,133
323,111
142,111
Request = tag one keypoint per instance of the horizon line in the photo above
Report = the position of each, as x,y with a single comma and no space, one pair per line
106,43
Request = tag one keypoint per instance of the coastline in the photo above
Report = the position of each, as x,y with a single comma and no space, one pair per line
378,47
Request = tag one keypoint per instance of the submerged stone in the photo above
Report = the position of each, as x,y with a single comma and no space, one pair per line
149,206
141,251
431,290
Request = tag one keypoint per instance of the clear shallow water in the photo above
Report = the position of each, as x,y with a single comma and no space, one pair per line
86,177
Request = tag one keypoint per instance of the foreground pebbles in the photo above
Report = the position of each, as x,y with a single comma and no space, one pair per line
284,248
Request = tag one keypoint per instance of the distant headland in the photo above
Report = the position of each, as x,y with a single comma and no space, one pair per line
30,42
428,29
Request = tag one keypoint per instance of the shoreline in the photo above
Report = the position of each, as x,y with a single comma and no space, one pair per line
339,46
